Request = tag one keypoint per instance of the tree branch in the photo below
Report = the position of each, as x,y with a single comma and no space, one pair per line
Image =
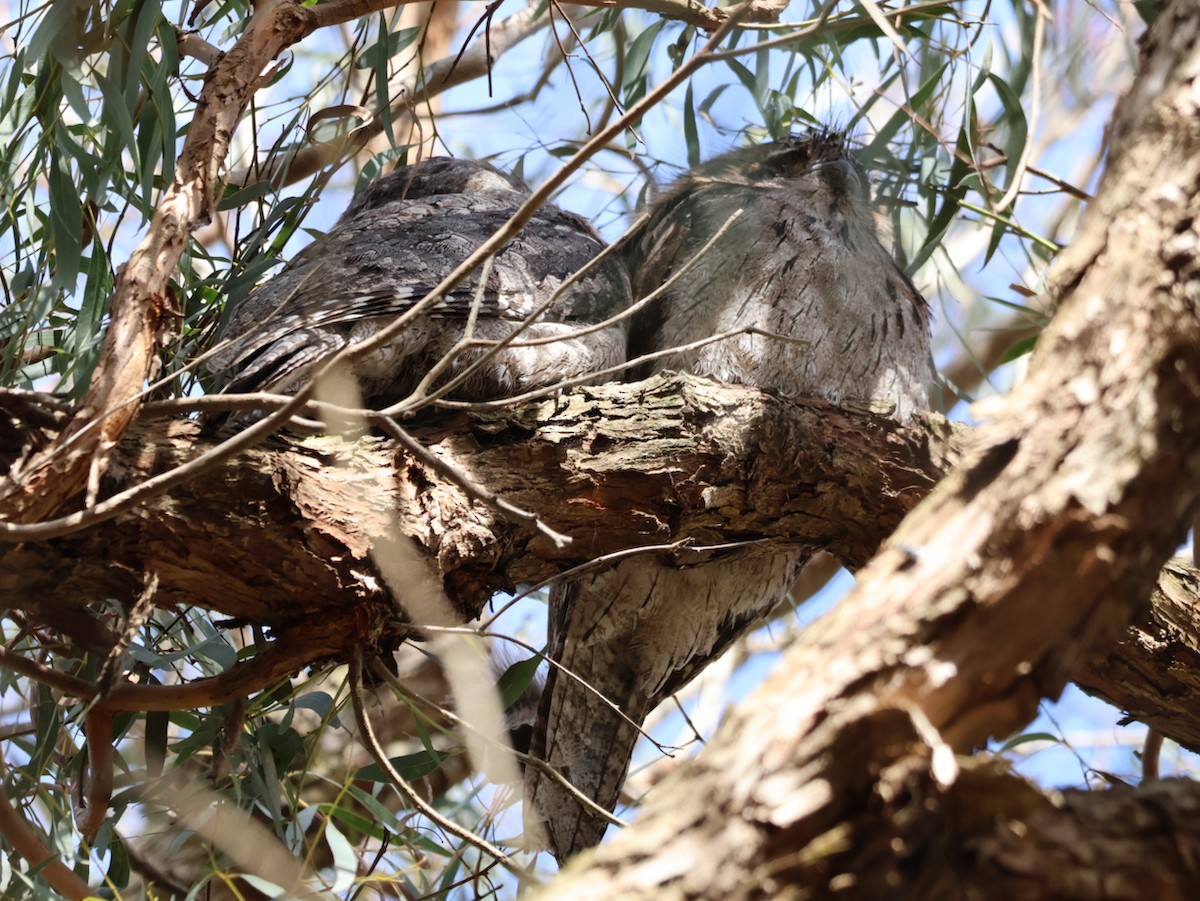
675,458
1153,672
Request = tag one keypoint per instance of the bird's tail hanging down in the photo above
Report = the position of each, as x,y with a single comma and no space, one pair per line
585,731
625,639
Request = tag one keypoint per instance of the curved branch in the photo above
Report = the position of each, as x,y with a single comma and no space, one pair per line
21,838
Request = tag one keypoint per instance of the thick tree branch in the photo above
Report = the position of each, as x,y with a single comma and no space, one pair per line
1153,672
676,458
197,540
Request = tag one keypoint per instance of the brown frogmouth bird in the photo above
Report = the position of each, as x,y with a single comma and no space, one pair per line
815,306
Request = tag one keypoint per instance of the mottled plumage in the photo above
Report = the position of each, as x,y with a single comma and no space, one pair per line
803,263
398,239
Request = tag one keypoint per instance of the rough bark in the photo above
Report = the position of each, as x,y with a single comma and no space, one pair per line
1153,672
227,556
676,458
1030,556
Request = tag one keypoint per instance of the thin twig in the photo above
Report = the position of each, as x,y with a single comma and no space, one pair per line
470,488
410,795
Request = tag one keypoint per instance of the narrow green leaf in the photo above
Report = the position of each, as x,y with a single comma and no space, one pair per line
902,117
374,166
1026,738
118,862
638,56
410,767
389,44
20,100
762,76
516,679
149,144
359,824
373,806
66,222
48,724
240,197
58,20
147,14
157,723
1019,349
691,135
320,702
118,121
381,85
1148,10
999,230
707,103
1015,123
744,75
84,347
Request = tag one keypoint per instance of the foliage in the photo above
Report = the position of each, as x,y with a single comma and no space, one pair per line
973,116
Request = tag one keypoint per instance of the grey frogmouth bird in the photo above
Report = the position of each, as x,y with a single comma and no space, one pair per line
812,305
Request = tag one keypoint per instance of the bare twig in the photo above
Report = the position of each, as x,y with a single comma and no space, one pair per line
410,795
